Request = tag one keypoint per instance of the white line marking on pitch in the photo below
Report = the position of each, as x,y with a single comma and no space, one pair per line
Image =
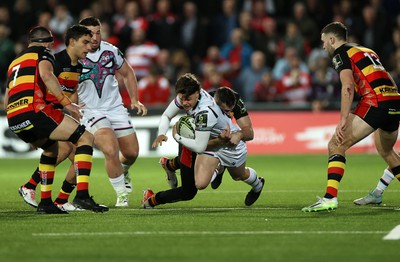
394,234
196,233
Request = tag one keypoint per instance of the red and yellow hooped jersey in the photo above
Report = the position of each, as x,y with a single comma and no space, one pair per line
25,87
373,82
67,75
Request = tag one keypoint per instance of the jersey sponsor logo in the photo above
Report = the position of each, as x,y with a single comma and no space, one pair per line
99,71
19,127
23,102
337,61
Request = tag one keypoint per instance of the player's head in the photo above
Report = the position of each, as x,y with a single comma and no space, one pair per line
187,89
94,25
78,41
40,35
333,35
225,98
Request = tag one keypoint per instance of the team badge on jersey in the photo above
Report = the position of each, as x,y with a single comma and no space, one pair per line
337,61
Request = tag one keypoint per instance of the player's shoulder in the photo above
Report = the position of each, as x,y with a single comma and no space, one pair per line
108,46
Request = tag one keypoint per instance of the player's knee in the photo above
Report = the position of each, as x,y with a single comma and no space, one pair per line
110,151
131,156
189,194
201,186
81,136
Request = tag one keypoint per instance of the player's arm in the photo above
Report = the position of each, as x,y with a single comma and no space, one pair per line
52,85
246,132
347,96
74,99
6,99
130,82
198,144
169,113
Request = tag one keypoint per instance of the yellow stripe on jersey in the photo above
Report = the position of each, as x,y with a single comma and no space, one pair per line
83,158
74,76
28,79
19,104
24,57
357,49
336,164
386,90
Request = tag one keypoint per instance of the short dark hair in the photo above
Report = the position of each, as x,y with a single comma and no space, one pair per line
76,32
90,21
40,34
187,85
225,95
336,28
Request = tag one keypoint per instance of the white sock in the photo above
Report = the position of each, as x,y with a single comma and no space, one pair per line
118,184
214,176
125,168
383,183
253,180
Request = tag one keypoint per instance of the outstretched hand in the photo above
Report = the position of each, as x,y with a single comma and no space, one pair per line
158,141
141,109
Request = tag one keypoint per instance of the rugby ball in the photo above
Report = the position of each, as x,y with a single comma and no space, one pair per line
186,127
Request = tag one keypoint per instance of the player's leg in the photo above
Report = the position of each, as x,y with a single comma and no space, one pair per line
384,142
129,147
249,176
170,165
70,130
204,168
69,183
187,191
28,190
107,142
356,130
375,197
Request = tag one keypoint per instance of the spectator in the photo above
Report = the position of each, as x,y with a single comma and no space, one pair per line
293,38
238,53
192,33
250,76
213,57
21,19
141,54
214,79
375,31
325,84
164,64
295,85
258,15
7,52
266,89
282,65
180,63
61,20
124,25
395,73
163,26
308,27
154,88
223,23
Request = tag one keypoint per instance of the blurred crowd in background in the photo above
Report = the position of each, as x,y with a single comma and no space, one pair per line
266,50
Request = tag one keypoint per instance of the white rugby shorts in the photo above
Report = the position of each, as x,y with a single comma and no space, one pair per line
117,119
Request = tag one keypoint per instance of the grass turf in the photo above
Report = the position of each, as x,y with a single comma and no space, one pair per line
215,226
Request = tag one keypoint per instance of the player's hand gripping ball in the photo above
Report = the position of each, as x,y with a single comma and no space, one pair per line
186,127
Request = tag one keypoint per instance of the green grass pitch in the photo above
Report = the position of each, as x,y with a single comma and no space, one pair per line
216,225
